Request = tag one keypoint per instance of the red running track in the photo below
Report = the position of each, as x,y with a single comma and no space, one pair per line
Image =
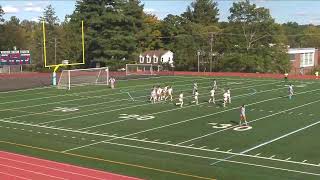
19,167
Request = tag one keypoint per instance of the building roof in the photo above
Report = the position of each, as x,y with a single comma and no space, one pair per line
157,53
301,50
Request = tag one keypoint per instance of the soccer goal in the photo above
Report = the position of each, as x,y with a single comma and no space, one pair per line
142,69
80,77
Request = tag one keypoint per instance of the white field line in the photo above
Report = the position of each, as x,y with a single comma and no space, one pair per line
179,122
211,158
232,127
154,142
63,95
271,141
160,112
55,169
16,177
24,90
101,112
42,174
78,99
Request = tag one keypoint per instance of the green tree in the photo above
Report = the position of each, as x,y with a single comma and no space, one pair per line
1,14
111,28
311,37
203,12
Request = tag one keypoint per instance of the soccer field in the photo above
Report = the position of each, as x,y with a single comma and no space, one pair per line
121,131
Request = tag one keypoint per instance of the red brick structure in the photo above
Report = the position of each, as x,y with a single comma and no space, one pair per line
303,60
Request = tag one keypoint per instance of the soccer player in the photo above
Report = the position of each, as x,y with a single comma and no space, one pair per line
159,93
169,93
243,115
286,77
180,100
196,100
229,95
164,92
290,91
215,84
317,74
112,82
212,96
225,98
153,97
195,87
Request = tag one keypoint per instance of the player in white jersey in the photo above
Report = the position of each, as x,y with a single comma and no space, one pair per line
169,93
225,98
290,91
229,95
112,82
215,86
153,97
196,100
159,93
180,100
212,92
243,115
195,87
164,92
317,74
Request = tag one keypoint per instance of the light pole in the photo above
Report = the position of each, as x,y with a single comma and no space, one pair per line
198,53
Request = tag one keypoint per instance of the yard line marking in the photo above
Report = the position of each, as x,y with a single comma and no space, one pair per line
102,112
203,147
272,156
169,110
257,154
271,141
222,130
288,159
211,158
229,150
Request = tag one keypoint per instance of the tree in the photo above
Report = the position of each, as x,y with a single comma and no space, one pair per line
111,28
204,12
1,14
311,37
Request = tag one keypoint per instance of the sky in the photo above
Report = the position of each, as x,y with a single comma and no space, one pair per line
300,11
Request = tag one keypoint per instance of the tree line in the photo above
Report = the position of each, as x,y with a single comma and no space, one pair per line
116,32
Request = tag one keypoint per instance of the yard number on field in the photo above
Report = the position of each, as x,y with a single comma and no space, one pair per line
65,109
224,126
136,116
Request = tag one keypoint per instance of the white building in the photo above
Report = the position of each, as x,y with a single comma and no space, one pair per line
156,57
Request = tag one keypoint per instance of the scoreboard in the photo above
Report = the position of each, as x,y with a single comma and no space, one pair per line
17,57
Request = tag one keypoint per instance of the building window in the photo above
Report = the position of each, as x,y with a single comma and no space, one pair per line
155,60
161,59
141,59
307,59
148,59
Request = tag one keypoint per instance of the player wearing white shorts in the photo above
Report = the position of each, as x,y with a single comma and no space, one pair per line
225,99
169,93
196,100
195,87
159,93
153,97
164,92
180,100
112,82
215,86
229,95
243,115
290,91
212,92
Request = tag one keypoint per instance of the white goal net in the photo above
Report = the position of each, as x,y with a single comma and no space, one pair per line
142,69
80,77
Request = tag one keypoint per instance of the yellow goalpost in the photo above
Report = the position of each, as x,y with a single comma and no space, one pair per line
56,66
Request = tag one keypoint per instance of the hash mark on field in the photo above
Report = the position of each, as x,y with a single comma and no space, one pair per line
83,138
229,150
22,129
300,113
14,128
65,136
257,154
203,147
310,114
252,109
39,132
290,112
288,159
8,127
271,111
144,139
93,140
190,145
167,142
55,134
216,149
304,161
272,156
30,130
156,140
73,137
261,110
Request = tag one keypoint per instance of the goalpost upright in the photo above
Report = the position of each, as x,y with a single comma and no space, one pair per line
56,66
